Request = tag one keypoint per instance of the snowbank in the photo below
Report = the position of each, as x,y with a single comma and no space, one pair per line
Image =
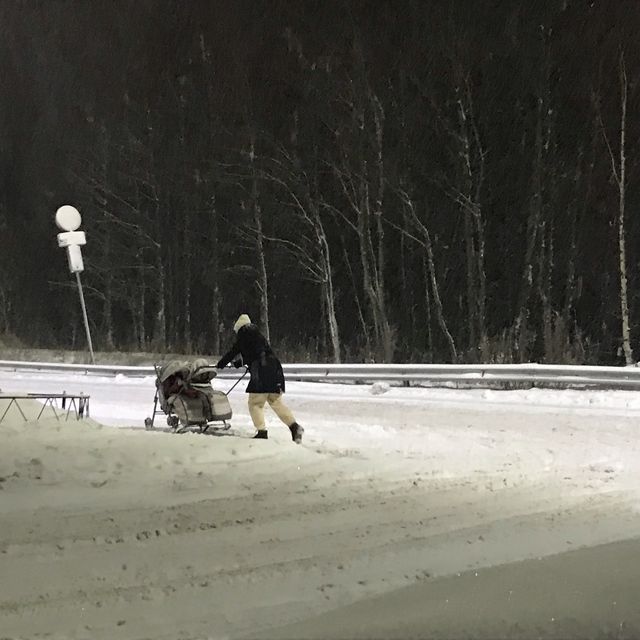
122,534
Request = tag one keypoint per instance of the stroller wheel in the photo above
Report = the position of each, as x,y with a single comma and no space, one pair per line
173,421
148,423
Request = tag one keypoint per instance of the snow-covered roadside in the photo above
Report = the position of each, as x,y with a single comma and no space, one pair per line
118,533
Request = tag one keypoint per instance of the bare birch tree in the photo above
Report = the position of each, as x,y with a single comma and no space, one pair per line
432,286
360,172
618,170
251,230
468,195
463,184
308,241
523,328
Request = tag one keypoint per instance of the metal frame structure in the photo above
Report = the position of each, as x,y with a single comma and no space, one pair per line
78,402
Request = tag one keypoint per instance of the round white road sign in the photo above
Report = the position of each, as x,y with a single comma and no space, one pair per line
68,218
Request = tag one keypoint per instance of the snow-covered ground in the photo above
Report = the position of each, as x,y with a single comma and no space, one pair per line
122,533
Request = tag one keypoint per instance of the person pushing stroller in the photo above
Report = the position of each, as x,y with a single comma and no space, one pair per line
267,377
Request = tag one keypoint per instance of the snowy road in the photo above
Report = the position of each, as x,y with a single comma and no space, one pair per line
119,533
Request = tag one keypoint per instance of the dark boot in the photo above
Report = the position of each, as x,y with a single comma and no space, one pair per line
261,435
296,432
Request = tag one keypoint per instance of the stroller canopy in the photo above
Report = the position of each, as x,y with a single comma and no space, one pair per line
185,369
180,368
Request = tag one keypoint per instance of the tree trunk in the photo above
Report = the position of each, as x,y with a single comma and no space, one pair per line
570,280
622,253
471,284
436,297
107,311
482,284
262,282
618,169
356,298
133,335
472,158
216,304
329,298
5,327
432,277
142,301
373,283
520,326
545,262
406,300
160,328
387,333
214,275
427,302
185,284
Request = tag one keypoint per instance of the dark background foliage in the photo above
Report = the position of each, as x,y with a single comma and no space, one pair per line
386,180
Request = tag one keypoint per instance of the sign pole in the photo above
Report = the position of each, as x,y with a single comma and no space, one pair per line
86,319
68,219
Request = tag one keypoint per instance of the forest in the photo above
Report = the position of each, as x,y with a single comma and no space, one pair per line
370,180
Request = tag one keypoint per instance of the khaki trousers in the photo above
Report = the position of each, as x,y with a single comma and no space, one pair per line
256,408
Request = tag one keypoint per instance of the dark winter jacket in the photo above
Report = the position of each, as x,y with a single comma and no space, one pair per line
265,368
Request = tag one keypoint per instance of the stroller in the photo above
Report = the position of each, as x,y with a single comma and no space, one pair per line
185,395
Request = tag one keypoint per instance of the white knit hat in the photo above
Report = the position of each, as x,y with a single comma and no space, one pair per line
243,320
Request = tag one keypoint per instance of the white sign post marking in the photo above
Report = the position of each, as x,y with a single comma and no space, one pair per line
68,219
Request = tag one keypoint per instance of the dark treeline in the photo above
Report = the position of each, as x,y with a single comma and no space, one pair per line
404,180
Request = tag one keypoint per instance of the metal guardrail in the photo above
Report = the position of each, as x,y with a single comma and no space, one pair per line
487,375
